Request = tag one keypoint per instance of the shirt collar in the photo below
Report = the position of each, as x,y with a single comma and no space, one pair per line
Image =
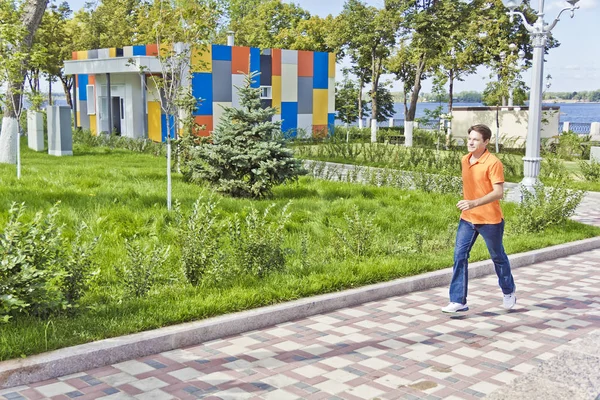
483,158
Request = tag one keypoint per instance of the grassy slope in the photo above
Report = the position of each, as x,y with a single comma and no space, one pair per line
118,194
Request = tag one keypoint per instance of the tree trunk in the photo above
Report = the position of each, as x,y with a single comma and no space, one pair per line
450,104
33,11
450,90
410,116
360,104
50,90
67,83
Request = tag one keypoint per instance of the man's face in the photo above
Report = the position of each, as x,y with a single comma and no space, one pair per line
475,142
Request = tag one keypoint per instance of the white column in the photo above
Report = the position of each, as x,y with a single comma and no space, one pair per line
392,122
532,159
566,126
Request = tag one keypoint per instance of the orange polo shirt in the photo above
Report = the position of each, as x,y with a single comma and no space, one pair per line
477,182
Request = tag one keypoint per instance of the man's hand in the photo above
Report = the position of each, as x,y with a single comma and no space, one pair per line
464,205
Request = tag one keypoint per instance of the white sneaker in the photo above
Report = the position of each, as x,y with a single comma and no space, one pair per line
509,300
454,308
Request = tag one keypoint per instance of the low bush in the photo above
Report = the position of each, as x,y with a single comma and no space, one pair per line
142,267
201,253
86,138
590,170
42,271
546,206
257,242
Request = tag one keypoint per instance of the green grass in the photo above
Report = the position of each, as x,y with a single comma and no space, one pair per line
119,194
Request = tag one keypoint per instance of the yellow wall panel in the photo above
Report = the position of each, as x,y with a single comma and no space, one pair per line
331,95
331,65
78,116
112,52
165,49
154,124
82,55
320,100
93,127
202,59
276,93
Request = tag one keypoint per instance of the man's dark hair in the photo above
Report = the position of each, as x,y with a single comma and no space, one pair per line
485,131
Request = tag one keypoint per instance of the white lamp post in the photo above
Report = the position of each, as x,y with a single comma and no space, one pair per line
539,32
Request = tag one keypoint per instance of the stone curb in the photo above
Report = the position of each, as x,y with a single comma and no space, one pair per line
83,357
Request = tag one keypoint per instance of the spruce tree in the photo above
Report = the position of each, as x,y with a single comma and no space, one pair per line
246,155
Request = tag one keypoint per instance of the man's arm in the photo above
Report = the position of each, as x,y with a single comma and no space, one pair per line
497,193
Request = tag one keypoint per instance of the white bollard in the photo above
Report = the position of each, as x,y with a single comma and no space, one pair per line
35,130
595,154
391,122
566,126
595,131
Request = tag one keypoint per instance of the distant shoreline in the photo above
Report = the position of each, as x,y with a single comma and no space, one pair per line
570,101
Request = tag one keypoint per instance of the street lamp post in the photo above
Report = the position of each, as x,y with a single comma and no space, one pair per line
539,32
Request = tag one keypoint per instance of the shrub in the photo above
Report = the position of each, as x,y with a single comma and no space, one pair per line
247,156
139,145
140,270
42,271
570,145
553,168
257,242
200,253
546,206
590,170
358,237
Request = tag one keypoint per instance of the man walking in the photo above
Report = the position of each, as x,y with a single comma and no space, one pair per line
483,187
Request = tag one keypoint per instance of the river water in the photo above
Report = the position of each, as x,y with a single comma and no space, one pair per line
569,112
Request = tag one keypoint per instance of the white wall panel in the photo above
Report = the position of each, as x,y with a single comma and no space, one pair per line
289,83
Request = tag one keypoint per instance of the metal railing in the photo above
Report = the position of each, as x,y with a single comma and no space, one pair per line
581,128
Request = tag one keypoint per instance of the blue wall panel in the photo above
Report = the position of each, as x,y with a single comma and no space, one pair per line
139,50
163,122
331,123
83,82
321,70
202,88
255,65
289,116
220,52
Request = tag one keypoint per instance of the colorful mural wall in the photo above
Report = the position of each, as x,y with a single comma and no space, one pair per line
300,85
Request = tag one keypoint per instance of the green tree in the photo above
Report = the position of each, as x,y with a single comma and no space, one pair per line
385,110
19,22
52,44
368,35
179,30
247,156
346,99
109,23
267,24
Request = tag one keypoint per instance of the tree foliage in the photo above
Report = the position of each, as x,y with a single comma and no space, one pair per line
346,100
368,34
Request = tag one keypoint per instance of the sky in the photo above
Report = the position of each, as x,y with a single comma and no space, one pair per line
574,66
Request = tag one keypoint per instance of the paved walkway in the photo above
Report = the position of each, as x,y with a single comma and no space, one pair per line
399,348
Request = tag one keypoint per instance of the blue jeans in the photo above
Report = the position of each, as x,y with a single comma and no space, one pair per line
466,235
